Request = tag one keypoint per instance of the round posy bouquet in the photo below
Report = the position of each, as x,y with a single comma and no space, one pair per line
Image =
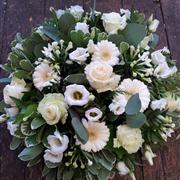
88,91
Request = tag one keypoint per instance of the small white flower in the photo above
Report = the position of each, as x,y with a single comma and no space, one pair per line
48,51
157,57
52,157
83,27
118,105
93,114
44,76
12,127
149,155
125,12
122,23
145,59
91,46
106,51
12,111
77,11
159,104
98,136
76,95
19,46
58,143
60,12
80,55
122,168
154,25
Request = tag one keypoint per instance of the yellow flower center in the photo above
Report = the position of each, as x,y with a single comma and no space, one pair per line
106,56
93,114
77,95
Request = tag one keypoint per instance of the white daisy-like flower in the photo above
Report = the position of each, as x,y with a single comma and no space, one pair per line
76,95
98,136
93,114
118,105
80,55
130,87
44,75
52,157
106,51
159,104
58,143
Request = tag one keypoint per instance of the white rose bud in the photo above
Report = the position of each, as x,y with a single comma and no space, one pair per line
122,168
83,27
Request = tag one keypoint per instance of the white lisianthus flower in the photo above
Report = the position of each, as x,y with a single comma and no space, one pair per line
129,138
80,55
60,12
15,89
149,155
44,76
106,51
113,22
76,95
53,108
130,87
98,136
93,114
154,25
101,76
53,157
12,111
12,127
77,11
118,104
164,71
91,46
83,27
122,168
58,143
159,104
125,12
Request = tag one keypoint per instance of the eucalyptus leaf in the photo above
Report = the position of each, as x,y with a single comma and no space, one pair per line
5,80
30,153
68,173
134,105
76,79
154,41
116,38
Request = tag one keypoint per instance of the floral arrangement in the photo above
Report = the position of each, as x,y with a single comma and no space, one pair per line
88,91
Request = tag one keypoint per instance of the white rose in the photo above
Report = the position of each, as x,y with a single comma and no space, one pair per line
12,112
15,89
83,27
53,108
58,143
76,11
101,77
112,22
154,25
52,157
79,55
12,127
129,138
159,104
122,168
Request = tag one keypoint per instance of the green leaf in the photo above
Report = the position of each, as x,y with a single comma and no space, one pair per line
26,129
137,17
37,122
5,80
51,32
30,153
68,173
34,161
134,33
15,143
102,36
77,37
103,174
21,74
77,125
38,50
2,106
18,102
51,175
26,65
124,47
51,165
6,67
14,60
134,105
76,79
66,21
45,171
136,121
112,117
31,141
30,110
116,38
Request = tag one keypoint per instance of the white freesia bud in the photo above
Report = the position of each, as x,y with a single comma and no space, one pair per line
122,168
159,104
80,55
144,42
70,46
90,163
83,27
58,143
15,89
149,155
91,97
154,25
91,46
52,157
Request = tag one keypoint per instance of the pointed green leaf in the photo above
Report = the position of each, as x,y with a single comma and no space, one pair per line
26,65
76,79
15,143
37,122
